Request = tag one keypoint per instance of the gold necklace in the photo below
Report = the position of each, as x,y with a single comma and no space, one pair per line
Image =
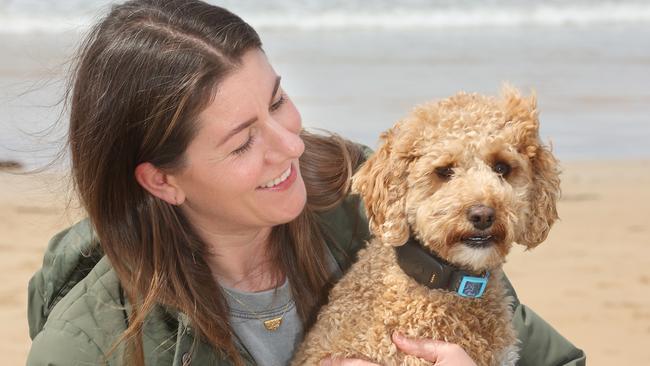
271,324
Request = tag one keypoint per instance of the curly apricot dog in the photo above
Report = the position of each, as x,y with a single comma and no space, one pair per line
452,187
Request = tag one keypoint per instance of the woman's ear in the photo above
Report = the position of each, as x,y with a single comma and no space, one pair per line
159,183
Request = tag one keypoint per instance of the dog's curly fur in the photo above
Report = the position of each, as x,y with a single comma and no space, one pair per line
467,135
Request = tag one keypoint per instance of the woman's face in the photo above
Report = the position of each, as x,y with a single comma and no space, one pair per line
241,169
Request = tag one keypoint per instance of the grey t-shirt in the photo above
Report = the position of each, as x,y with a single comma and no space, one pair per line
249,311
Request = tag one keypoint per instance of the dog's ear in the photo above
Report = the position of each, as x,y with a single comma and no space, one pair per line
381,182
521,114
544,193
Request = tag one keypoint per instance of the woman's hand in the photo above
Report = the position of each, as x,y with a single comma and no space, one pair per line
439,352
346,362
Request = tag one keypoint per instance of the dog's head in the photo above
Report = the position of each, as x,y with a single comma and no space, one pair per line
468,176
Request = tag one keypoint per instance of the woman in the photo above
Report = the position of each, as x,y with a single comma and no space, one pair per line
215,224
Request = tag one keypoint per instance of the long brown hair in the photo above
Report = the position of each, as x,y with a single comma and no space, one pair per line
144,73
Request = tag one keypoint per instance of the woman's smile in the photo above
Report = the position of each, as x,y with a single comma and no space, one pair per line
282,182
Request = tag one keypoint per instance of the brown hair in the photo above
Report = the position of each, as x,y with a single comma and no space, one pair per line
144,74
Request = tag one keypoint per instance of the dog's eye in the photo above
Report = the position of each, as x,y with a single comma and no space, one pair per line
445,172
502,168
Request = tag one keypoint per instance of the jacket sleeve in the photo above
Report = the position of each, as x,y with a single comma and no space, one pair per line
63,343
70,255
540,344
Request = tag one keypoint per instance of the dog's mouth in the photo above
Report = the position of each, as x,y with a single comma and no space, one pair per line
479,241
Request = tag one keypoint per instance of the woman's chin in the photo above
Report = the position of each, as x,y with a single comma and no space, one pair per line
295,204
285,208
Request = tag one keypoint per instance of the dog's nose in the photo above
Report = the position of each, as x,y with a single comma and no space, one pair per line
481,216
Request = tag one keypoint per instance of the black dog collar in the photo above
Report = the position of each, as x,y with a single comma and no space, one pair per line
433,272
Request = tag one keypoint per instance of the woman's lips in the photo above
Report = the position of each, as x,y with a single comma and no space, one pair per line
282,184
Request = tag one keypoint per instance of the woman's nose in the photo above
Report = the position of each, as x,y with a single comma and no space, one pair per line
284,143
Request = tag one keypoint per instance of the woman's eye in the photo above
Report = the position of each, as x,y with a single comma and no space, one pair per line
445,172
278,104
245,147
502,168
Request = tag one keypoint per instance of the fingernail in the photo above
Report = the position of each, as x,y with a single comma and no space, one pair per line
398,336
326,362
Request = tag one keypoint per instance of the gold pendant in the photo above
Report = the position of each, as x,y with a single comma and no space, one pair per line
273,324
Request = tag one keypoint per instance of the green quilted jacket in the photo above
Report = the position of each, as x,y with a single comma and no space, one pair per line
77,310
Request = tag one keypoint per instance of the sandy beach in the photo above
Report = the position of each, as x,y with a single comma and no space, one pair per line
590,279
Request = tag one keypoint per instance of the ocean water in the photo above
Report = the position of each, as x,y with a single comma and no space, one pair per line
355,67
26,16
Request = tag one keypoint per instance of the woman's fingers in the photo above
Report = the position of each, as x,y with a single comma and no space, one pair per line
346,362
438,352
425,349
